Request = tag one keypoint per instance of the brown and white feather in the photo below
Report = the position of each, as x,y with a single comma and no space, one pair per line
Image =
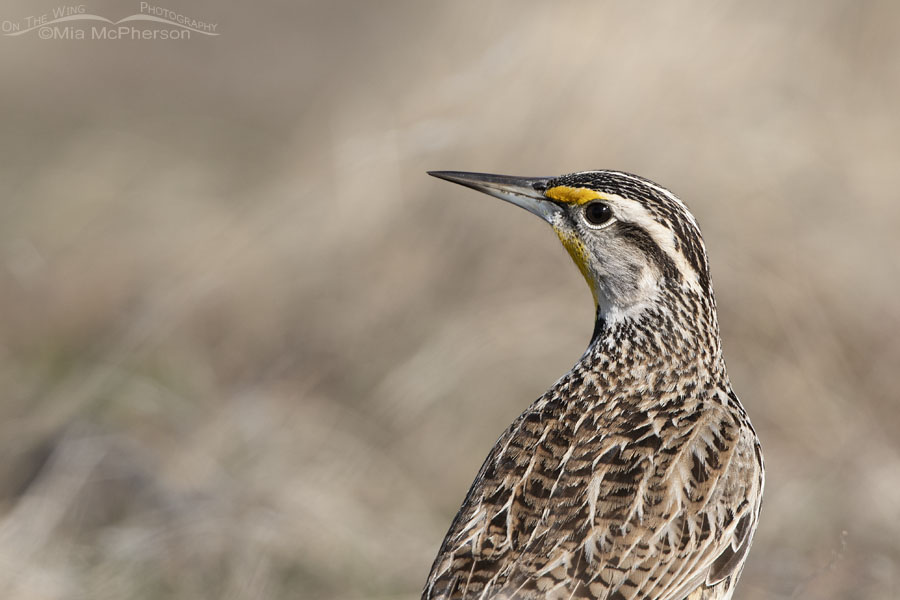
638,474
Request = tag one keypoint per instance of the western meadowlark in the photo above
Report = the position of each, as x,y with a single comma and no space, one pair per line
638,474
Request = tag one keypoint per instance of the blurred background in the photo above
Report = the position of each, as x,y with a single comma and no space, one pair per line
248,349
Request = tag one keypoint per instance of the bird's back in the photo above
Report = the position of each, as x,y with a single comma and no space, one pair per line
589,495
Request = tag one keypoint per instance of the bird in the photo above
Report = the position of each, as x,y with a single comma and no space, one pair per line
637,475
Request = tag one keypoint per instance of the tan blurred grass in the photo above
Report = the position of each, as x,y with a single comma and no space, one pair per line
249,350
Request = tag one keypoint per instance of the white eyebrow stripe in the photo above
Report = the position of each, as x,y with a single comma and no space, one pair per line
633,211
663,191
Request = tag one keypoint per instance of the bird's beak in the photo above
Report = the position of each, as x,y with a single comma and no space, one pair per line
527,192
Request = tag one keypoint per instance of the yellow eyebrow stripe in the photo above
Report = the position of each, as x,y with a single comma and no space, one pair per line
570,195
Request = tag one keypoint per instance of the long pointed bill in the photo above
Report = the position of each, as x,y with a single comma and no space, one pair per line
527,192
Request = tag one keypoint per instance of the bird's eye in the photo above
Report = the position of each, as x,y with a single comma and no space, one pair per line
598,213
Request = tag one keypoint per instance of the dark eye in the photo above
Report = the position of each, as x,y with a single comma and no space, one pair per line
597,213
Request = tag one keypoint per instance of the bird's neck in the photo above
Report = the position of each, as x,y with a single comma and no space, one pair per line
675,336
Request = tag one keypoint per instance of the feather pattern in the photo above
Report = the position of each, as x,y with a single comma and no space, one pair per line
638,474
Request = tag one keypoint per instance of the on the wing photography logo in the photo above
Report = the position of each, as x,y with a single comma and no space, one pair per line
74,22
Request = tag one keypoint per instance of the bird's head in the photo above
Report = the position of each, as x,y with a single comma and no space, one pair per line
634,241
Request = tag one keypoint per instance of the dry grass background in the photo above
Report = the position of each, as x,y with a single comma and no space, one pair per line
249,350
